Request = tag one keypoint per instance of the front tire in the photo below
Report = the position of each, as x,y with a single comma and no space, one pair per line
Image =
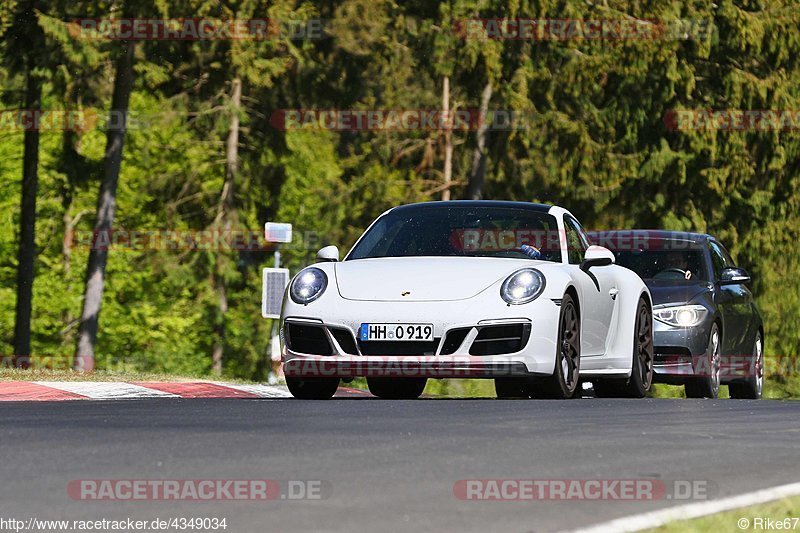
312,388
566,375
397,388
641,379
708,387
753,387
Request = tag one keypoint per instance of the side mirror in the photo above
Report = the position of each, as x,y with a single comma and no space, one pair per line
597,256
328,254
733,276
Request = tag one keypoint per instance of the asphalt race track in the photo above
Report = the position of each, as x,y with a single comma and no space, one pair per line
388,465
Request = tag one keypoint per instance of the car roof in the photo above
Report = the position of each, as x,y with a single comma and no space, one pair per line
543,208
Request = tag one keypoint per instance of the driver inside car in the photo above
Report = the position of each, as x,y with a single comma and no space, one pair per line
675,261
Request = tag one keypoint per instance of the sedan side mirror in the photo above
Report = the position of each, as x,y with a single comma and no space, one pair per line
328,254
597,256
733,276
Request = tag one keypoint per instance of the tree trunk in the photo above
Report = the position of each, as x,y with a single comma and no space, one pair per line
27,234
67,195
106,206
218,351
225,214
477,175
448,139
73,168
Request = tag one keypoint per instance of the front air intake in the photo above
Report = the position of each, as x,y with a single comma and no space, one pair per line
345,339
305,338
500,339
453,340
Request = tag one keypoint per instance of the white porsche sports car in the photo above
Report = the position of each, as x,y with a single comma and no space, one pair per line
510,291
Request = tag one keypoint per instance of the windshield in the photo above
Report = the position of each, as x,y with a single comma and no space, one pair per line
460,231
680,265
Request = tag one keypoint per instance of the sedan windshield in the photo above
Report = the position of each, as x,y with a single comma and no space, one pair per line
466,231
678,265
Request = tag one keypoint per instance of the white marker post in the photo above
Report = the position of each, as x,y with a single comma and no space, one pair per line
274,284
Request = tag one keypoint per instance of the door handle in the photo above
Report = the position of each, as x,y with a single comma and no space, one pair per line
613,293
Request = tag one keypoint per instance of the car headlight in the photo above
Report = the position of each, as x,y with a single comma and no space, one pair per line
522,286
309,285
682,316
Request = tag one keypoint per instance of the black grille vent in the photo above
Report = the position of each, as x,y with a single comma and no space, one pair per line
453,340
501,339
308,339
345,340
672,353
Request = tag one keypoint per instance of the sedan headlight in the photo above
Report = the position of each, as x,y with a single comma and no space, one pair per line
682,316
309,285
522,286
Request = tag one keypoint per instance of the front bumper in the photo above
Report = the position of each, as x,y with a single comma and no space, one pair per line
459,348
680,353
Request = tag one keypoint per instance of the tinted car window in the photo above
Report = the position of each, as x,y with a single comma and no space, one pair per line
664,264
729,262
460,231
576,241
719,259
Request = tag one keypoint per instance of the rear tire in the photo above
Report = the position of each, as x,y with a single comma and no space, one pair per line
563,384
508,388
641,378
312,388
708,387
397,388
753,387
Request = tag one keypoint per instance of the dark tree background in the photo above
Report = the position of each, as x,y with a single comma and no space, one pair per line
201,151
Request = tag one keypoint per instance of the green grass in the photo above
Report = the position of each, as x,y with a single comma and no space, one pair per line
783,388
461,388
661,390
728,521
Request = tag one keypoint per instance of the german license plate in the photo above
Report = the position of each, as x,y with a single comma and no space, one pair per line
395,332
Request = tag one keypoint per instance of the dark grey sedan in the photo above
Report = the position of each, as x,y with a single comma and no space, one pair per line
707,329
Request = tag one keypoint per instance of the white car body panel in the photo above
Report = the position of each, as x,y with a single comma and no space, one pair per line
456,292
432,278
